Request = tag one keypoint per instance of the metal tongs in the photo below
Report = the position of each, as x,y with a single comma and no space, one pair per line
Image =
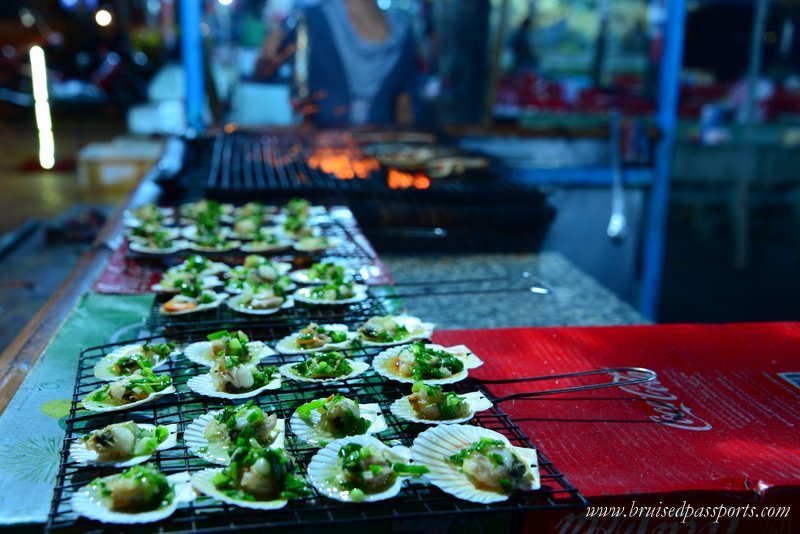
646,375
435,286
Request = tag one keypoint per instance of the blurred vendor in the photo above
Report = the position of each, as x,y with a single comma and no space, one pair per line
360,61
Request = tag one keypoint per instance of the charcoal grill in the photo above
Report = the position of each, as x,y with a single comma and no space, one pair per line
477,212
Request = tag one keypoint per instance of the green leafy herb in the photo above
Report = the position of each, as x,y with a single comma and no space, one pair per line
479,446
324,365
428,363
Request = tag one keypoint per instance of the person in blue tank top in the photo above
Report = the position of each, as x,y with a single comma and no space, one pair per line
360,60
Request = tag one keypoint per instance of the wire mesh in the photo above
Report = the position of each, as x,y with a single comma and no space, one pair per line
349,245
285,321
417,499
482,210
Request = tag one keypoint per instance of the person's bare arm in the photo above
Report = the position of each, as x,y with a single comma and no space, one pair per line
271,56
403,109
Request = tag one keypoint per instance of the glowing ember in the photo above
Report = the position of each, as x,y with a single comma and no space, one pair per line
403,180
343,163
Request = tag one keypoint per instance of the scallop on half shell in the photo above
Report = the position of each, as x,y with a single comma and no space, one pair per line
436,445
386,364
88,502
476,401
324,469
200,352
197,443
103,368
307,431
86,456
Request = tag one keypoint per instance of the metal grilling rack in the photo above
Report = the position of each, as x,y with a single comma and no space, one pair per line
330,226
416,500
485,211
285,321
252,163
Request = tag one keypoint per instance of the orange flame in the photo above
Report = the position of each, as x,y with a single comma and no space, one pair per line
342,163
403,180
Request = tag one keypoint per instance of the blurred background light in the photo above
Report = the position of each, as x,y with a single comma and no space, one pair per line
103,17
44,121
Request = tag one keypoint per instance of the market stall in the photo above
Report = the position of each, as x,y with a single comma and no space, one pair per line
688,408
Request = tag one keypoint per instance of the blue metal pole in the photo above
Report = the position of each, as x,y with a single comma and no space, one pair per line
192,52
656,229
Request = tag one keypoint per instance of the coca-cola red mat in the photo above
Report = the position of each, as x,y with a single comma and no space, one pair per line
723,416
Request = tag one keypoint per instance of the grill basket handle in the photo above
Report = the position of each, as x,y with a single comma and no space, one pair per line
646,375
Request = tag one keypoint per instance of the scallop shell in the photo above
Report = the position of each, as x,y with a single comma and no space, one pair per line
313,212
200,352
102,369
232,290
203,385
226,246
188,221
324,469
203,482
281,267
304,295
226,208
142,249
190,232
303,233
416,329
170,233
235,304
269,229
358,368
288,345
207,282
215,267
434,446
86,502
301,275
314,246
132,221
197,443
219,299
94,406
84,455
384,364
308,432
280,245
474,399
266,210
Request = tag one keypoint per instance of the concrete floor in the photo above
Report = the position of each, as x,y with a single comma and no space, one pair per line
45,194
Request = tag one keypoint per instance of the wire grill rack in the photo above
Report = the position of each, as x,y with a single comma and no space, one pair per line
350,245
284,321
258,163
416,500
483,210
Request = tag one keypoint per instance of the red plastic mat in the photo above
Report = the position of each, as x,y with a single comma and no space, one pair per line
129,276
723,416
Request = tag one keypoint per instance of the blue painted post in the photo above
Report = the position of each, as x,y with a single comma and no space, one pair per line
192,52
656,229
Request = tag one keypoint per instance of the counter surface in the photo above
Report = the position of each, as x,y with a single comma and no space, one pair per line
574,298
31,425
